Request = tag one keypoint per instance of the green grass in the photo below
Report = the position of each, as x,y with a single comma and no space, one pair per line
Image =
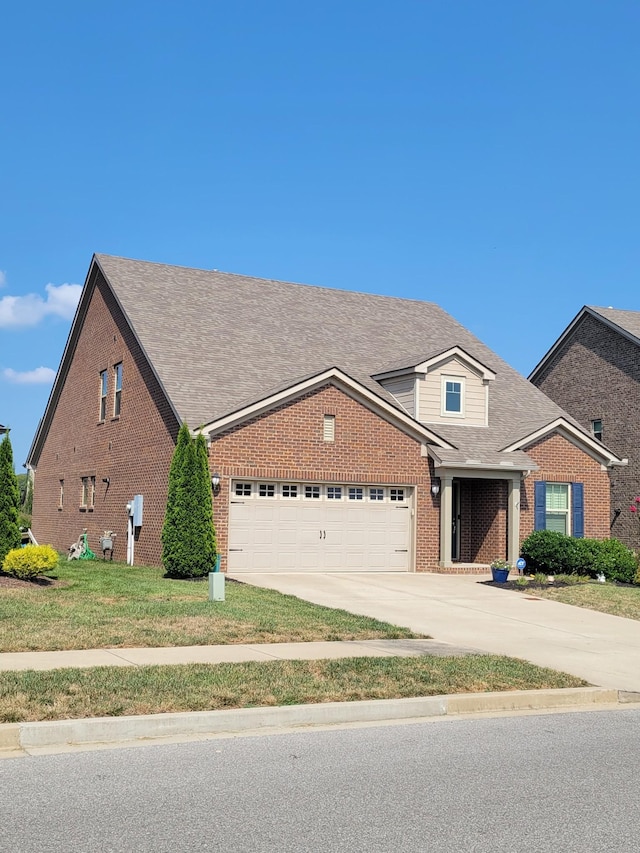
115,691
103,605
605,597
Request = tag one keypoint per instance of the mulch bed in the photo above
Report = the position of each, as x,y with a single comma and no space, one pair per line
9,581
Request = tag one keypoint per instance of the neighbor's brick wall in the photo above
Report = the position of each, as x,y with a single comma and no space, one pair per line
134,450
561,461
287,444
596,375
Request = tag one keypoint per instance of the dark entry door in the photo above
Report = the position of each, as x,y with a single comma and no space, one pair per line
455,520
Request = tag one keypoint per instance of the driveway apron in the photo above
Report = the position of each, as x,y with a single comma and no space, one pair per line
602,649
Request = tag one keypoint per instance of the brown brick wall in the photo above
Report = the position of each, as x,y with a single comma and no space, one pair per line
483,510
134,450
561,461
596,375
287,444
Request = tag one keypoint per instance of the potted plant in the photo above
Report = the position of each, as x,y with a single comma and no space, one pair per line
500,571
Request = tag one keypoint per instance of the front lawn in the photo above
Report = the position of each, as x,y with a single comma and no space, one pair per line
107,605
114,691
606,597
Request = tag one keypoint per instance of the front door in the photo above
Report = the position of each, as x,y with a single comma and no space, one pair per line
455,520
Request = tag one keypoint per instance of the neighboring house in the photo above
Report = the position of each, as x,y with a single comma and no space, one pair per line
349,431
593,372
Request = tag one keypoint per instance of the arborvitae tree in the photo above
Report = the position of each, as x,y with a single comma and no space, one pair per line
188,535
9,501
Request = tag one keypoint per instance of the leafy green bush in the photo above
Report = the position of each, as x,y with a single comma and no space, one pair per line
554,553
616,561
30,561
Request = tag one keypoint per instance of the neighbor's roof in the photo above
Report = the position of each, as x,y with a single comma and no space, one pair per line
626,323
218,341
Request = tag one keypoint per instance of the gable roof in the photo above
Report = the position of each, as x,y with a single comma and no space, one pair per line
625,323
220,342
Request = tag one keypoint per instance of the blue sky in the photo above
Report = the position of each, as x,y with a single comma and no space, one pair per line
482,155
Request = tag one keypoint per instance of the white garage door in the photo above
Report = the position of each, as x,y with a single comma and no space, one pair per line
300,527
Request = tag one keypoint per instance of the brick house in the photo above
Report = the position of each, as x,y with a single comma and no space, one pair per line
349,431
593,372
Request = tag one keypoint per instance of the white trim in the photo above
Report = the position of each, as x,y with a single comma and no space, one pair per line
345,383
457,352
586,442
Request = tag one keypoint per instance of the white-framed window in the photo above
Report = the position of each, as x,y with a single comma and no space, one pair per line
334,493
103,395
266,490
312,492
376,494
396,494
356,493
87,497
329,428
290,490
117,394
557,508
453,396
61,496
596,428
243,490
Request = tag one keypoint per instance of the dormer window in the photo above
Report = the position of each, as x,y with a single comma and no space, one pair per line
453,396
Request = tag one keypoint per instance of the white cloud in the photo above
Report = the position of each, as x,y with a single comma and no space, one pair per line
39,376
29,310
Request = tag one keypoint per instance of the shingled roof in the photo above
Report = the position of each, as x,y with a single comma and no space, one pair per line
220,341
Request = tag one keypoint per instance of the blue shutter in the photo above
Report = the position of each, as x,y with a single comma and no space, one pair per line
577,510
540,505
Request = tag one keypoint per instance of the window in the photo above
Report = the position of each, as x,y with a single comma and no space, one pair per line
559,507
396,494
267,490
334,493
289,491
312,492
452,396
61,498
376,494
596,429
243,490
356,493
103,395
329,428
117,399
87,498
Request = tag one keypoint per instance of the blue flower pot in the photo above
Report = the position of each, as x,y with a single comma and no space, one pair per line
500,575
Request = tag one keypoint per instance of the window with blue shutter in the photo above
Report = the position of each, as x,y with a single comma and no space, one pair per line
551,508
540,505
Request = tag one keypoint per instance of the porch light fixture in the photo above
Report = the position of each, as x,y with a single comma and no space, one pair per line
435,489
215,483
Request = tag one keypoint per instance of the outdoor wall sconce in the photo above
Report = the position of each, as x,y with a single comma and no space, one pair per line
215,483
435,489
106,480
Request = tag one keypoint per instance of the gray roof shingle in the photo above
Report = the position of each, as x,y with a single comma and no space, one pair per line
220,340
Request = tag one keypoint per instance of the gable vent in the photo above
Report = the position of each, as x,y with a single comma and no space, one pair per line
329,428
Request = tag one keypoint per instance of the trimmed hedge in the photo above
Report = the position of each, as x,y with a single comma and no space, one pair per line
554,553
30,561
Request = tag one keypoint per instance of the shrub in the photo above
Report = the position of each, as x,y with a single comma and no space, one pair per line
30,561
546,551
9,500
188,534
616,561
554,553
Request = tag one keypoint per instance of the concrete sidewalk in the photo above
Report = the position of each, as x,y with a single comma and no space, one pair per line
84,658
461,610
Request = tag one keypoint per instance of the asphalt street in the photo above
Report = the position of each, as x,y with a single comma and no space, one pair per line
563,782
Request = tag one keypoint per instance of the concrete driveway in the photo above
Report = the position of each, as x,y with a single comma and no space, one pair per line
602,649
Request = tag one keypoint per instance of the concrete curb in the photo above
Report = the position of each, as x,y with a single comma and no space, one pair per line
61,734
